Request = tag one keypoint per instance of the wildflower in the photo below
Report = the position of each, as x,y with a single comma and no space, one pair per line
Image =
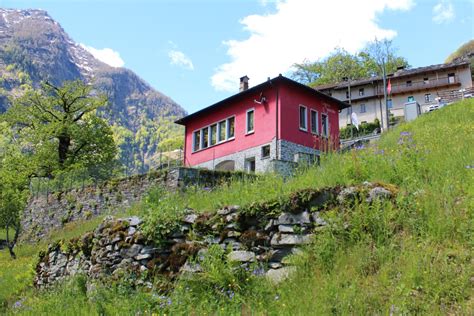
18,304
277,297
169,301
405,133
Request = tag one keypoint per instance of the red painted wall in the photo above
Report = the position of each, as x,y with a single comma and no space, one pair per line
264,127
291,98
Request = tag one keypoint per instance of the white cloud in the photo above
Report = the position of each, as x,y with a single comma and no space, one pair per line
106,55
443,12
299,30
180,59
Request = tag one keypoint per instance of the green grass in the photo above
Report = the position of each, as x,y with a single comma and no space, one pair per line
414,257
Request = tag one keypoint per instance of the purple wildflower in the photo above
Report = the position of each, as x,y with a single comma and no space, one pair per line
405,133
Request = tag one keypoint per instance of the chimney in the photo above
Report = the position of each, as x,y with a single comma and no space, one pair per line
244,83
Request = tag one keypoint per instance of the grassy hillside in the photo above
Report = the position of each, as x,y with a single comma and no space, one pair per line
414,257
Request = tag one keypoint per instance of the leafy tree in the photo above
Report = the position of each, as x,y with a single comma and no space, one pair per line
341,63
14,170
61,127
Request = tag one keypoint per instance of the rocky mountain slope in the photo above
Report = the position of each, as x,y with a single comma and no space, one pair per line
34,48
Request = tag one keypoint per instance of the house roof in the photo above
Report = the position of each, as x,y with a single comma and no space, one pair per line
280,78
397,74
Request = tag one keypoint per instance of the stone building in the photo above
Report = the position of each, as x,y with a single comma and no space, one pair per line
425,85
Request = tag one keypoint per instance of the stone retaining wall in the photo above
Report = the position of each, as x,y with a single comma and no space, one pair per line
45,213
261,234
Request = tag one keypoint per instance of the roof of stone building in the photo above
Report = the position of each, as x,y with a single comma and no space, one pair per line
397,74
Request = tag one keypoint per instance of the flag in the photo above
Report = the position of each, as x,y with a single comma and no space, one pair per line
355,120
389,87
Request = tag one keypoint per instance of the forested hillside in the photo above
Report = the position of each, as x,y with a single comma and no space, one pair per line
34,48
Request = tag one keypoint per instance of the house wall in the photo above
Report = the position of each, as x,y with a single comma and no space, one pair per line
371,101
264,128
291,99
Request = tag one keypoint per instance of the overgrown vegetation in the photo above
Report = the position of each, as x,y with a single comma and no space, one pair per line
413,257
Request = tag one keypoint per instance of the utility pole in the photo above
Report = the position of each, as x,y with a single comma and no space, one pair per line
385,90
350,102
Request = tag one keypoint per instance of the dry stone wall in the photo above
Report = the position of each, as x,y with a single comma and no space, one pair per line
261,234
48,212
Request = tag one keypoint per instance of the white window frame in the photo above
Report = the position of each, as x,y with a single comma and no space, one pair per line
427,100
311,121
364,107
227,129
325,132
361,92
194,140
218,140
305,129
247,132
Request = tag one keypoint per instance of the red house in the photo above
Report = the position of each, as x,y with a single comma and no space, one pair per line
269,127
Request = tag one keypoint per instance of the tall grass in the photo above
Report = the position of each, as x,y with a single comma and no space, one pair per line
411,257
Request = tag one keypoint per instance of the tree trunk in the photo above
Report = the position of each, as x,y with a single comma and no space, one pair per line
11,244
63,148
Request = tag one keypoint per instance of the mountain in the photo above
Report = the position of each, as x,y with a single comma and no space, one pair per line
35,48
464,52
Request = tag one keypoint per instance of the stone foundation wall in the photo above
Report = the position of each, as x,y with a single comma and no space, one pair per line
48,212
262,235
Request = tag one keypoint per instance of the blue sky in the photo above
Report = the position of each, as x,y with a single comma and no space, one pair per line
195,51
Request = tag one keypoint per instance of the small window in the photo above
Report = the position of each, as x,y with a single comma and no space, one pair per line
426,80
314,122
196,140
213,136
266,151
411,98
205,138
451,78
303,118
250,164
427,97
250,121
362,108
230,127
221,131
325,125
389,103
409,83
347,94
361,91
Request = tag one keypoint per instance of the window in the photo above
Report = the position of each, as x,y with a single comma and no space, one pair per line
266,151
213,134
314,122
389,103
306,159
230,127
362,108
250,164
205,138
303,118
409,83
411,98
427,97
250,121
197,140
221,131
361,91
451,78
426,80
347,94
325,125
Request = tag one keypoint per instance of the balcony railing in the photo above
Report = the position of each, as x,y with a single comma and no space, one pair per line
420,85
